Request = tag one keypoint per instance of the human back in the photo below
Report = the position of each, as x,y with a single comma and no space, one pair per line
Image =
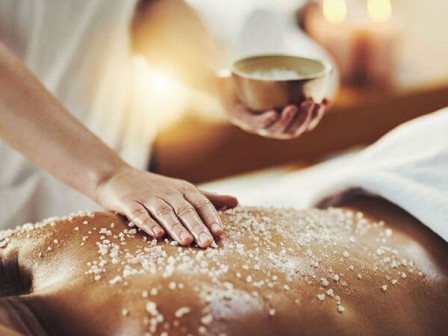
275,271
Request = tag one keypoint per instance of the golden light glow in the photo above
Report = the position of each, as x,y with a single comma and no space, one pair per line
163,98
335,11
379,10
153,78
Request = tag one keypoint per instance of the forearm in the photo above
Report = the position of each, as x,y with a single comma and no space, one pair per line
37,125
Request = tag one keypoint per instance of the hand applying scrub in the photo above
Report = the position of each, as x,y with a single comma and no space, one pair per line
161,205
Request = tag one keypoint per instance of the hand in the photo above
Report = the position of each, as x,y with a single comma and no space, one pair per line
159,205
289,123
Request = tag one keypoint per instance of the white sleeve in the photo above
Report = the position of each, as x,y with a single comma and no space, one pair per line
408,167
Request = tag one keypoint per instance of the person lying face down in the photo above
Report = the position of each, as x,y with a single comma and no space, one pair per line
365,267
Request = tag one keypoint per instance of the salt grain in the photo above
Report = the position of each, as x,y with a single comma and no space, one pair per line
182,311
207,319
151,308
324,282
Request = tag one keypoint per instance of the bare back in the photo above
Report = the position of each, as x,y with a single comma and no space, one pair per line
274,272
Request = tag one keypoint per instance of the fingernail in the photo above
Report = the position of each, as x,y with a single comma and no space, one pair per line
184,236
158,231
204,238
216,228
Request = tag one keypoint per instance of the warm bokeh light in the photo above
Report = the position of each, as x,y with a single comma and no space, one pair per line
164,99
335,11
153,78
379,10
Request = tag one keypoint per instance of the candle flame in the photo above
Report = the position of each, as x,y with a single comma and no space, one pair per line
379,10
335,11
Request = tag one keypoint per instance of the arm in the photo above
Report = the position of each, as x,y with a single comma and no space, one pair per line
37,125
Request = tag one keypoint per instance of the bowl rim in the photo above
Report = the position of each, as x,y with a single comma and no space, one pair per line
327,68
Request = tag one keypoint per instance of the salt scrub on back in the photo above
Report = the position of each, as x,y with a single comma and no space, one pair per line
275,74
271,262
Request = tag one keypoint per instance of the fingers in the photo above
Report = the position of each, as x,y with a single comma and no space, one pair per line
283,122
206,211
221,202
300,124
165,215
185,217
140,216
317,115
252,122
290,123
188,215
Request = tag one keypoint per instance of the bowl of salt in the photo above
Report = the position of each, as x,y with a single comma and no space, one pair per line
273,81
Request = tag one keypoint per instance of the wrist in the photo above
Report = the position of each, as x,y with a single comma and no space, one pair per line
101,177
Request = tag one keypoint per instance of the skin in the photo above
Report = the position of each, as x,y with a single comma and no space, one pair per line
54,140
63,299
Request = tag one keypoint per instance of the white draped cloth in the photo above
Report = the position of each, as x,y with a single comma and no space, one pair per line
408,167
80,50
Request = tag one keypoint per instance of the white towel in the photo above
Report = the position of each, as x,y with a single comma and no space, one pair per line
408,167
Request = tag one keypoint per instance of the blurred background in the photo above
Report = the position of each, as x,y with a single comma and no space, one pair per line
392,57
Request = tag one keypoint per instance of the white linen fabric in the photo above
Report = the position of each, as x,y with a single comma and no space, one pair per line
80,50
408,167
